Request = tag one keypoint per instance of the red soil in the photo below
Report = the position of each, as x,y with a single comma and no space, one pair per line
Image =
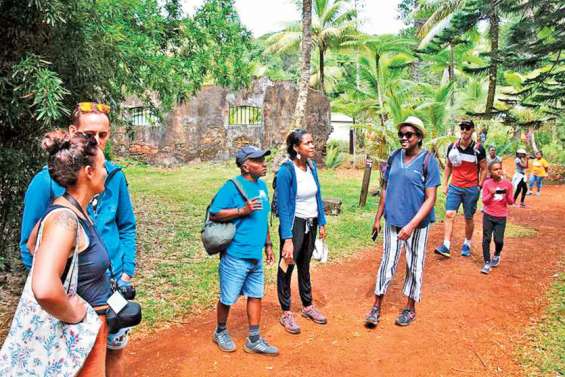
467,324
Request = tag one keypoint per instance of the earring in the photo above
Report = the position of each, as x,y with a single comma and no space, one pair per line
298,156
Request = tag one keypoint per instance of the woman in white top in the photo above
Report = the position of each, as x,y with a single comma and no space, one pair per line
301,213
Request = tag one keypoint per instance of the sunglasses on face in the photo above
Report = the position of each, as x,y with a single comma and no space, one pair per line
466,126
408,135
90,107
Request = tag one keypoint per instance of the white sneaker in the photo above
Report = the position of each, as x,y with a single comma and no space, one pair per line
485,269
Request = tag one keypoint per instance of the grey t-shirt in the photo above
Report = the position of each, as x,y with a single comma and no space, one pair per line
519,168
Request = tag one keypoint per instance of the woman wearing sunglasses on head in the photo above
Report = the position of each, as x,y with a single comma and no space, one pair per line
111,211
407,203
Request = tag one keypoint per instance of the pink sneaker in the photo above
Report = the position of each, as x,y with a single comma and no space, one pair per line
312,313
289,324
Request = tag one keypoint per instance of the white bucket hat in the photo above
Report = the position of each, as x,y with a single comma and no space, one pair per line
414,122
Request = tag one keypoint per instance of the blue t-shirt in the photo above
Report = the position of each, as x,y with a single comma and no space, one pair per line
406,186
251,231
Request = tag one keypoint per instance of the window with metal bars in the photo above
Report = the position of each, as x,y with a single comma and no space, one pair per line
245,115
143,117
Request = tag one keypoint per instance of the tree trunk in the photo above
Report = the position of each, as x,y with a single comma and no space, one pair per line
300,109
451,75
322,86
492,72
379,89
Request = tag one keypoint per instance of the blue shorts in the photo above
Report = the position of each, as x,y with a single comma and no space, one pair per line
469,196
537,181
240,277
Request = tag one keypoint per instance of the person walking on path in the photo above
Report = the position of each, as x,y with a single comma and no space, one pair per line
519,178
301,213
467,168
241,264
407,203
539,171
497,196
111,211
491,156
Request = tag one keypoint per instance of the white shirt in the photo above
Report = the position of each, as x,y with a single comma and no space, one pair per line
306,190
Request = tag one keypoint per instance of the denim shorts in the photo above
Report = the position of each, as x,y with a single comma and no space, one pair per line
468,196
240,277
536,180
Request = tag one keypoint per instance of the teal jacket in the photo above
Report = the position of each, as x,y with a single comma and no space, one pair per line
113,216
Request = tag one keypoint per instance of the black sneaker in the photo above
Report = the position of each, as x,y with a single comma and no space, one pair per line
373,317
406,317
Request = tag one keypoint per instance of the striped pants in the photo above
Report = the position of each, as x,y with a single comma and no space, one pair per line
415,248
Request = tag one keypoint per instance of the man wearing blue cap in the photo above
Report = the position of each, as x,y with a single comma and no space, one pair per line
241,264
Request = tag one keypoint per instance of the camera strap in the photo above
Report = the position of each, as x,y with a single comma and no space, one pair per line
77,205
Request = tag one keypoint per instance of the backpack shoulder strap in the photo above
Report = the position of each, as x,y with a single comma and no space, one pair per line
239,189
393,155
427,159
112,174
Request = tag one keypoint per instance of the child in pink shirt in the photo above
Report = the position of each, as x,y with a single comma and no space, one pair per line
497,196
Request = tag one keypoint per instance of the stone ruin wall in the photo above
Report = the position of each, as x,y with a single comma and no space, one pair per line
197,129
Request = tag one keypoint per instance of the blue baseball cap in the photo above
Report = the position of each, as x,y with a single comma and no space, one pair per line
249,151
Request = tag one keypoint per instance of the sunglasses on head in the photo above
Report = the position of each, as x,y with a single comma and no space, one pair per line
90,107
407,135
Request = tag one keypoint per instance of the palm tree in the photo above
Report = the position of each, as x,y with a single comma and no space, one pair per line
463,15
332,23
380,47
300,109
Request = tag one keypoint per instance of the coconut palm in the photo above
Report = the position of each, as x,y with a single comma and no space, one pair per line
300,108
332,23
374,72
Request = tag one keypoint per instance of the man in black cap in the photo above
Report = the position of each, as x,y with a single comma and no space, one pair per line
244,201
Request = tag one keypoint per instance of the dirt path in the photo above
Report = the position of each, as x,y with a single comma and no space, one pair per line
467,324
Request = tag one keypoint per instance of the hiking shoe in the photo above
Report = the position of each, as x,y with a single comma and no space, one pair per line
522,205
261,347
538,193
442,250
486,268
224,341
465,250
289,324
529,193
373,317
405,317
495,261
312,313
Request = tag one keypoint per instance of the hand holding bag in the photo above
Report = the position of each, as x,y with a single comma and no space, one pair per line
39,344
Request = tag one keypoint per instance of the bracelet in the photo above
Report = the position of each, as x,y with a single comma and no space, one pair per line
268,243
237,211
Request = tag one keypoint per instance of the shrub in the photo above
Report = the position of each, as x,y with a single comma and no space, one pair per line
334,157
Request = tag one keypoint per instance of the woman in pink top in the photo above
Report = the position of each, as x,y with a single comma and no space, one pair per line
497,196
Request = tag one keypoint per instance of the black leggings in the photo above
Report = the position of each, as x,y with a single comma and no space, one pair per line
493,225
303,248
522,186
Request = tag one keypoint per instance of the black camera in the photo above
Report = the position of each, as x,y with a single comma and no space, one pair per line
128,291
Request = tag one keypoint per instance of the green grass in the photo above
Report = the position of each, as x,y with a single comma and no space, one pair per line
544,355
175,275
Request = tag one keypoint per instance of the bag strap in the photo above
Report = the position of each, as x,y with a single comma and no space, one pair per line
240,189
72,274
427,159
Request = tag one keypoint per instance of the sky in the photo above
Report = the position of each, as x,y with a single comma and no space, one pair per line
264,16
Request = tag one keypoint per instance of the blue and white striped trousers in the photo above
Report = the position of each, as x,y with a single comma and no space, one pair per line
415,248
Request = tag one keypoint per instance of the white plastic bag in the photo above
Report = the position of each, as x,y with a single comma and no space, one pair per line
320,251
